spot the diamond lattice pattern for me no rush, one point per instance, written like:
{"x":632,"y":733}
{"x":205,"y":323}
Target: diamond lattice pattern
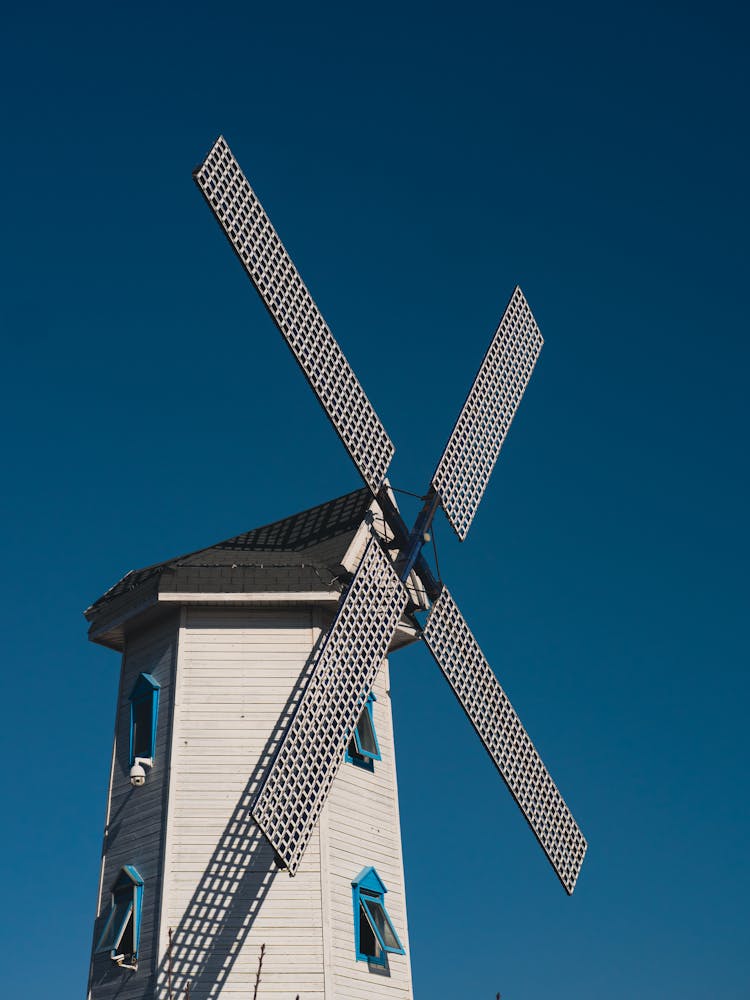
{"x":293,"y":794}
{"x":249,"y":230}
{"x":459,"y":657}
{"x":468,"y":460}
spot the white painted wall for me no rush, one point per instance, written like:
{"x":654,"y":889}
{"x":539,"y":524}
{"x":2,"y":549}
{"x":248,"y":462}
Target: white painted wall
{"x":360,"y":827}
{"x":223,"y":896}
{"x":236,"y":670}
{"x":134,"y":826}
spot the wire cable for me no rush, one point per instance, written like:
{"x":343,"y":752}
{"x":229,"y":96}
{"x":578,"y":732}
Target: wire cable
{"x":408,"y":493}
{"x":434,"y":552}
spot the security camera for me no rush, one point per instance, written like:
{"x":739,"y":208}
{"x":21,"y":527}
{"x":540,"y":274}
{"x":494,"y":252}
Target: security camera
{"x":137,"y":775}
{"x":138,"y":771}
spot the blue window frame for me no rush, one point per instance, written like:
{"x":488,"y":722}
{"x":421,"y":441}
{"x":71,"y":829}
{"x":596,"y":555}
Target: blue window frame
{"x":374,"y":934}
{"x":144,"y":710}
{"x":363,"y":748}
{"x":122,"y":931}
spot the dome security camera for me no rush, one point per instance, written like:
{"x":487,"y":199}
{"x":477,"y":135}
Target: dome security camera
{"x":137,"y":775}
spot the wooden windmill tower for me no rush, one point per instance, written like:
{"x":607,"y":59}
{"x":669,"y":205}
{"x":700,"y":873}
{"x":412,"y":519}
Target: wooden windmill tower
{"x":252,"y":840}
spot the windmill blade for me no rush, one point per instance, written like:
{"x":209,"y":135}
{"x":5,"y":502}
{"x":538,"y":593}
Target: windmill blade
{"x":262,"y":254}
{"x":490,"y":712}
{"x":466,"y":464}
{"x":294,"y":792}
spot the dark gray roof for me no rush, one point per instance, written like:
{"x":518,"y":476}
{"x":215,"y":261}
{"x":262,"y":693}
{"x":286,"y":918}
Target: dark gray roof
{"x":301,"y":552}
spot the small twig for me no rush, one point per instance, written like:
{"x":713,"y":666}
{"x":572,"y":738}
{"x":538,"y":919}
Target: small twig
{"x":257,"y":975}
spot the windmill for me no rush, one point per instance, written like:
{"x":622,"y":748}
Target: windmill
{"x":253,"y":731}
{"x":296,"y":786}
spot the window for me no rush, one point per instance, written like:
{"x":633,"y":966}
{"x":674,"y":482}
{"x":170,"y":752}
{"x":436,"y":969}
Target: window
{"x":363,"y":747}
{"x":144,"y":708}
{"x":374,"y":933}
{"x":122,"y":930}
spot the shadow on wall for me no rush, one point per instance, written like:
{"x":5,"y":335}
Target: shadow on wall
{"x":231,"y":891}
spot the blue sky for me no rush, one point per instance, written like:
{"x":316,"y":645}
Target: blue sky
{"x":418,"y":161}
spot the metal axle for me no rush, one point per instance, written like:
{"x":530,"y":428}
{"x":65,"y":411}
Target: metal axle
{"x":411,"y":542}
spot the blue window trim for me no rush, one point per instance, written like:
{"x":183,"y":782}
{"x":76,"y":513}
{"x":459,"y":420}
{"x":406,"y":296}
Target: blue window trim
{"x":126,"y":895}
{"x":369,"y":886}
{"x":146,"y":687}
{"x":360,"y":756}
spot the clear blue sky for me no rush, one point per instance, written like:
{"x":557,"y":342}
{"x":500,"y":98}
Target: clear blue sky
{"x":417,"y":160}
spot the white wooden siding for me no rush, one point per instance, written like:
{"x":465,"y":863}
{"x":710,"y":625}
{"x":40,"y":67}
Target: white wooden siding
{"x":224,"y":897}
{"x":135,"y":826}
{"x":227,"y":675}
{"x":361,"y":828}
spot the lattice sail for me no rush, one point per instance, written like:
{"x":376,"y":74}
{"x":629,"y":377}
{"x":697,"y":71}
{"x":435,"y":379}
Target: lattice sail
{"x":262,"y":254}
{"x":468,"y":460}
{"x":469,"y":674}
{"x":293,"y":794}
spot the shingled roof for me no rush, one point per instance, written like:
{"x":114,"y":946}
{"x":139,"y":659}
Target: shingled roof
{"x":301,"y":553}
